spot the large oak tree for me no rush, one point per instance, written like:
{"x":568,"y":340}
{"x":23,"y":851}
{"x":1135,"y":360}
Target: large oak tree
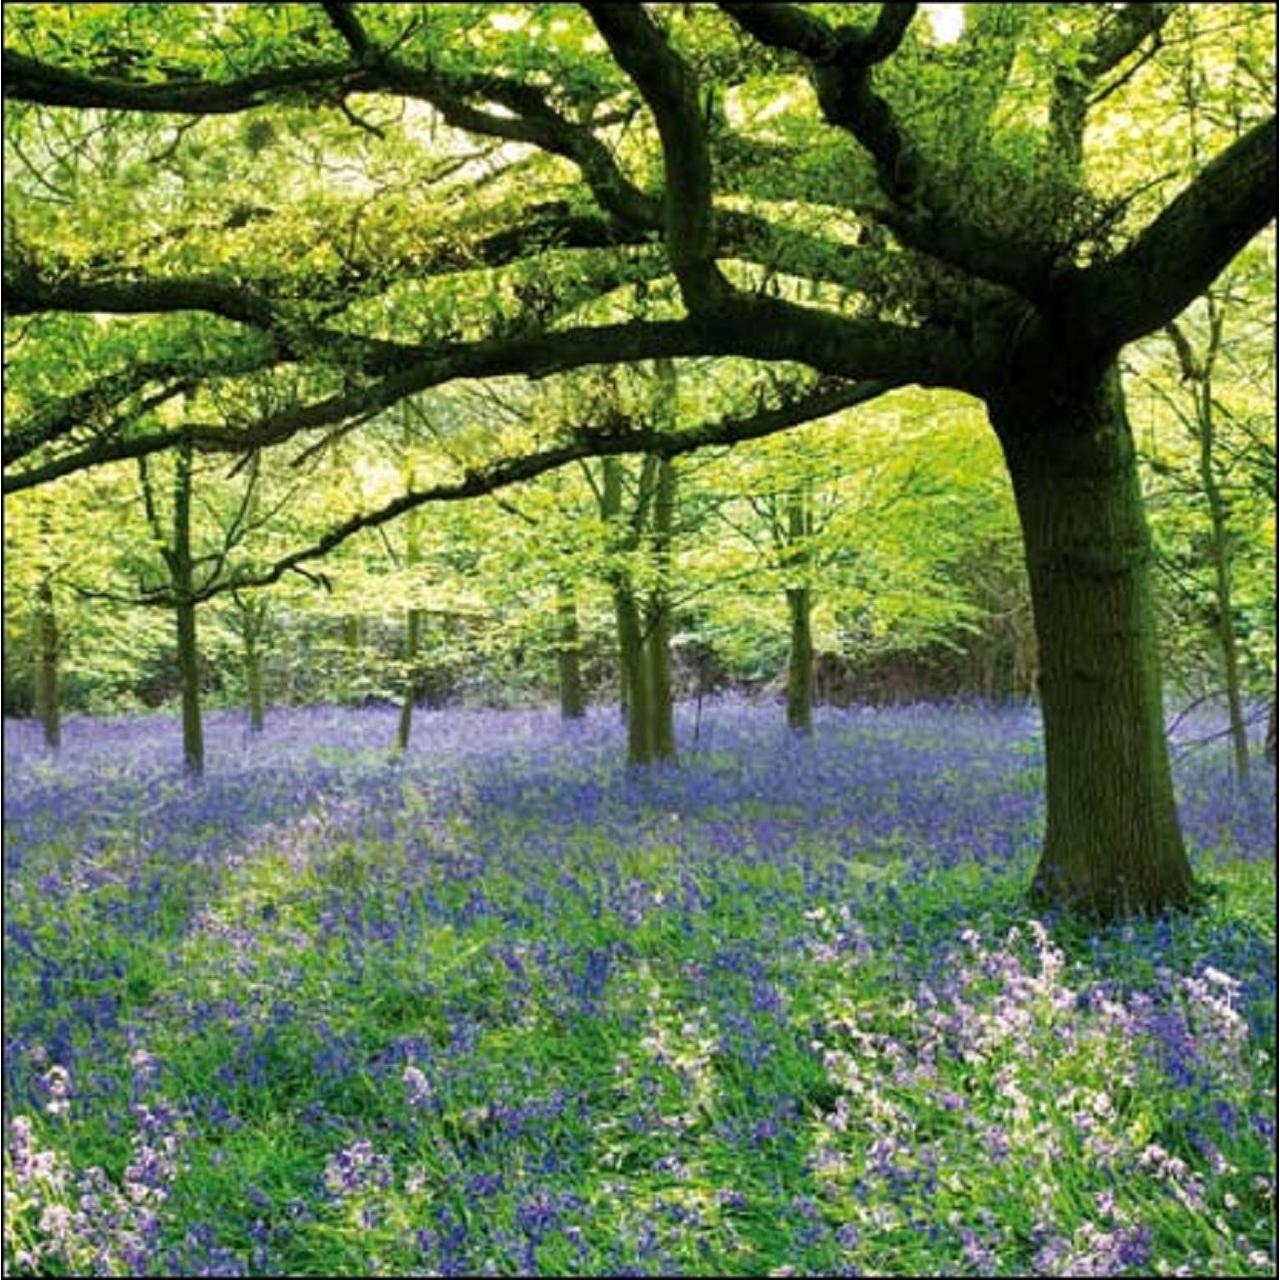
{"x":825,"y":185}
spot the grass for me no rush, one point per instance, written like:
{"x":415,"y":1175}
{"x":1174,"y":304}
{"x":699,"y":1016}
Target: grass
{"x":502,"y":1008}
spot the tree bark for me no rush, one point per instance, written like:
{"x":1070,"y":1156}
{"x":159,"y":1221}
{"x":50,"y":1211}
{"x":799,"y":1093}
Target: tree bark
{"x":412,"y":639}
{"x":636,"y":673}
{"x":182,"y":571}
{"x":46,"y":681}
{"x":800,"y":662}
{"x":573,"y":698}
{"x":798,"y":552}
{"x":254,"y":688}
{"x":252,"y":618}
{"x":1112,"y":843}
{"x":1221,"y":552}
{"x":657,"y":638}
{"x":351,"y":660}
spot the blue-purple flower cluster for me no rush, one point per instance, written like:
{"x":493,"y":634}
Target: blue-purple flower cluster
{"x":500,"y":1005}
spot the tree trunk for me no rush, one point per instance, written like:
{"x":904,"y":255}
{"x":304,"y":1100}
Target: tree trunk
{"x":1220,"y":551}
{"x":46,"y":681}
{"x":351,"y":657}
{"x":573,"y":698}
{"x":413,"y":635}
{"x":657,"y":638}
{"x":1273,"y":734}
{"x":184,"y":589}
{"x":636,"y":672}
{"x":1112,"y":842}
{"x":254,"y":687}
{"x":800,"y":662}
{"x":252,"y":618}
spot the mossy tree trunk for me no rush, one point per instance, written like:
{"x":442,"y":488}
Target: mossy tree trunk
{"x":46,"y":664}
{"x":573,"y":697}
{"x":415,"y":619}
{"x":1112,"y":843}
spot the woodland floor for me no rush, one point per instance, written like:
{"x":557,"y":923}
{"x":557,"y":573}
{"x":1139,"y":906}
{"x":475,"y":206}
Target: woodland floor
{"x":500,"y":1006}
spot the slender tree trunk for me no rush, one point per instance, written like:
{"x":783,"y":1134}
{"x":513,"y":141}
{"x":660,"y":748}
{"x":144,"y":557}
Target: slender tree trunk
{"x":573,"y":698}
{"x":1273,"y":734}
{"x":252,"y":618}
{"x":636,"y":673}
{"x":351,"y":659}
{"x":797,"y":556}
{"x":254,"y":686}
{"x":800,"y":662}
{"x":657,"y":638}
{"x":1220,"y":551}
{"x":412,"y":641}
{"x":47,"y":705}
{"x":184,"y":589}
{"x":1112,"y":843}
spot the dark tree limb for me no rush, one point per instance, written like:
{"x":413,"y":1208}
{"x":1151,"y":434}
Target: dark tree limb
{"x":1175,"y":259}
{"x":922,"y":215}
{"x":58,"y":419}
{"x":349,"y":27}
{"x":670,"y":89}
{"x":1120,"y":34}
{"x":821,"y":402}
{"x":534,"y":120}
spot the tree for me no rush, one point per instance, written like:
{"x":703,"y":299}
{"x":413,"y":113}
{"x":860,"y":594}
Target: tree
{"x":970,"y":249}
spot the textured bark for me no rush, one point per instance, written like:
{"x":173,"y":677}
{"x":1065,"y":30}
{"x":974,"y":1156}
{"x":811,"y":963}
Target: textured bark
{"x":46,"y":681}
{"x":1112,"y":843}
{"x":800,"y":662}
{"x":573,"y":697}
{"x":189,"y":672}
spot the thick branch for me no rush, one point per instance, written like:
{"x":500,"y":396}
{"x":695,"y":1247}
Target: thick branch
{"x":670,"y":89}
{"x":535,"y":356}
{"x":923,"y":216}
{"x":1119,"y":35}
{"x":348,"y":26}
{"x":1180,"y":254}
{"x":60,"y":417}
{"x":534,"y":121}
{"x":29,"y":80}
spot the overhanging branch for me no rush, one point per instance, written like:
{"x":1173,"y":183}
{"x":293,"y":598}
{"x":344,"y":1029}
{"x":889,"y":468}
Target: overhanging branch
{"x":825,"y":400}
{"x":1175,"y":259}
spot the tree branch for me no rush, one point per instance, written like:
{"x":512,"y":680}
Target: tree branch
{"x":923,"y":215}
{"x":670,"y":89}
{"x":1119,"y":35}
{"x":1179,"y":255}
{"x":822,"y":402}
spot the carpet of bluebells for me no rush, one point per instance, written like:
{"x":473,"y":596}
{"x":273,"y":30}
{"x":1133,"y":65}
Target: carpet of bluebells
{"x":501,"y":1007}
